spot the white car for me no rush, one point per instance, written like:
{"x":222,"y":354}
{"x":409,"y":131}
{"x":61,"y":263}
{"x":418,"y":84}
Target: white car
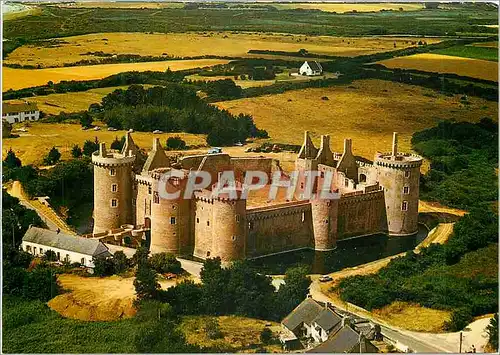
{"x":238,"y":144}
{"x":97,"y":128}
{"x":112,"y":129}
{"x":325,"y":278}
{"x":157,"y":131}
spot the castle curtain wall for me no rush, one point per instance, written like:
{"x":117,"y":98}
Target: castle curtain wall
{"x":277,"y":229}
{"x":361,"y":214}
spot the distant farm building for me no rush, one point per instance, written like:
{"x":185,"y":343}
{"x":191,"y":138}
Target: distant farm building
{"x":15,"y":113}
{"x":311,"y":68}
{"x":68,"y":248}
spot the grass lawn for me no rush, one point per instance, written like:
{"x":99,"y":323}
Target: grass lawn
{"x":475,"y":52}
{"x":368,"y":111}
{"x":31,"y":327}
{"x":475,"y":68}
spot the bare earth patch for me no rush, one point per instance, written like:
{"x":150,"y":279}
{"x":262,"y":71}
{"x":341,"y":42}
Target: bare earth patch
{"x":97,"y":299}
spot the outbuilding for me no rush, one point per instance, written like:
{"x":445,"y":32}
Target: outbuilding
{"x":68,"y":248}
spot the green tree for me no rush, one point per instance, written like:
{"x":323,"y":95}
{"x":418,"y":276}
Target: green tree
{"x":492,"y":330}
{"x":120,"y":262}
{"x":118,"y":143}
{"x":145,"y":283}
{"x":103,"y":266}
{"x":52,"y":157}
{"x":90,"y":147}
{"x":175,"y":143}
{"x":293,"y":291}
{"x":165,"y":262}
{"x":86,"y":119}
{"x":11,"y":161}
{"x":50,"y":255}
{"x":76,"y":151}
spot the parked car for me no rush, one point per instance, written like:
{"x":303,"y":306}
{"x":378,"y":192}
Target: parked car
{"x":325,"y":278}
{"x":97,"y":128}
{"x":112,"y":129}
{"x":157,"y":131}
{"x":238,"y":144}
{"x":215,"y":150}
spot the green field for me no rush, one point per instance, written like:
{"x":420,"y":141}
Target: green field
{"x":62,"y":22}
{"x":31,"y":327}
{"x":485,"y":53}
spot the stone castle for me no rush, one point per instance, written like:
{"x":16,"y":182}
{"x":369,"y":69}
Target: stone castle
{"x":375,"y":197}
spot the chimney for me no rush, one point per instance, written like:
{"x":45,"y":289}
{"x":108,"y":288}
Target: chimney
{"x":325,"y":142}
{"x":394,"y":145}
{"x":102,"y":149}
{"x":347,"y":146}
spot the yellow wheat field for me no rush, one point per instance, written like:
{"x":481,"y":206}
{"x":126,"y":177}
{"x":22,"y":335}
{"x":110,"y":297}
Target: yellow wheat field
{"x":23,"y":78}
{"x":475,"y":68}
{"x":341,"y":8}
{"x":69,"y":102}
{"x":76,"y":48}
{"x":368,"y":111}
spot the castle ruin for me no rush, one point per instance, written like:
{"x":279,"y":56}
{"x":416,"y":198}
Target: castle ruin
{"x":374,"y":197}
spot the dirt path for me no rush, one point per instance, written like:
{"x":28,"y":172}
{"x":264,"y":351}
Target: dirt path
{"x":97,"y":299}
{"x":47,"y":214}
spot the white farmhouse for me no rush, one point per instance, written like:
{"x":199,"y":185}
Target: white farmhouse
{"x":14,"y":113}
{"x":311,"y":68}
{"x":69,"y":248}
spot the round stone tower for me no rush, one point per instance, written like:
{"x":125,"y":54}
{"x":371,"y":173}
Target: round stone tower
{"x":170,"y":218}
{"x":399,"y":175}
{"x":324,"y":219}
{"x":229,"y":232}
{"x":113,"y":181}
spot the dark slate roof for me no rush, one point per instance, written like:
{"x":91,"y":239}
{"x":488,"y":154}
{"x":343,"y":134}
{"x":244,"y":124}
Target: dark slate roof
{"x":327,"y":319}
{"x":305,"y":312}
{"x":16,"y":108}
{"x":67,"y":242}
{"x":341,"y":342}
{"x":315,"y":66}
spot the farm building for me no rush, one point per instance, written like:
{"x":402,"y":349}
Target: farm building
{"x":311,"y":68}
{"x":69,"y":248}
{"x":14,"y":113}
{"x":319,"y":327}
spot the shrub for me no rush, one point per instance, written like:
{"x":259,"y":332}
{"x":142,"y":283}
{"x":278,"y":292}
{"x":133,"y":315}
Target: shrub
{"x":460,"y":318}
{"x":103,"y":266}
{"x":50,"y":255}
{"x":176,"y":143}
{"x":164,"y":263}
{"x":266,"y":335}
{"x":212,"y":329}
{"x":76,"y":151}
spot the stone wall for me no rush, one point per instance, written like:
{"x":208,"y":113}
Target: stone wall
{"x":361,"y":214}
{"x":280,"y":228}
